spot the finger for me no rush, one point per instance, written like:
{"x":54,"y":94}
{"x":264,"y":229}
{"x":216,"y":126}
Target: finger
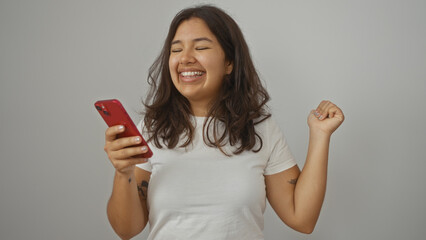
{"x":322,"y":109}
{"x":332,"y":112}
{"x":111,"y":132}
{"x":124,"y":142}
{"x":322,"y":104}
{"x":338,"y":113}
{"x":335,"y":112}
{"x":127,"y":153}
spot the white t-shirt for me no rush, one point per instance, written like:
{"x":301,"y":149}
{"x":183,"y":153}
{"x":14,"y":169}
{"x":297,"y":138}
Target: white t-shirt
{"x":199,"y":193}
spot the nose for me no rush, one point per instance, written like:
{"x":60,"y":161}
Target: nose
{"x":187,"y":57}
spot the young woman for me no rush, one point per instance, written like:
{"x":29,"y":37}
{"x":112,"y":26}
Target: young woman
{"x":218,"y":153}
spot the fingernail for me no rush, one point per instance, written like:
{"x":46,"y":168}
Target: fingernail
{"x":144,"y":148}
{"x":316,"y":114}
{"x":321,"y":117}
{"x":137,"y":139}
{"x":120,"y":127}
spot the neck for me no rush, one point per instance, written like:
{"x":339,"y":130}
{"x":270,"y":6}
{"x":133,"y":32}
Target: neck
{"x":199,"y":109}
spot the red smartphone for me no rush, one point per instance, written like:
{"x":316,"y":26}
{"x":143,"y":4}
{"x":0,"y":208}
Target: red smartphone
{"x":114,"y":114}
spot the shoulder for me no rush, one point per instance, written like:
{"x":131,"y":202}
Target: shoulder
{"x":271,"y":132}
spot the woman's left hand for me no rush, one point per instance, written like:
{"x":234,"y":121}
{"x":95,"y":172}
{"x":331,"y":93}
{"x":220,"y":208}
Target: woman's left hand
{"x":326,"y":118}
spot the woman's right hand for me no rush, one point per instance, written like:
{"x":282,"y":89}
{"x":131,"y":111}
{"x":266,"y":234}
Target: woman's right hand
{"x":120,"y":152}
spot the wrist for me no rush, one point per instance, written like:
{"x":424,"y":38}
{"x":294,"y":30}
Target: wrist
{"x":319,"y":134}
{"x":127,"y":173}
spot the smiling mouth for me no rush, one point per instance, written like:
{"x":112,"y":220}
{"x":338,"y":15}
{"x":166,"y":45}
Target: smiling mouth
{"x":191,"y":76}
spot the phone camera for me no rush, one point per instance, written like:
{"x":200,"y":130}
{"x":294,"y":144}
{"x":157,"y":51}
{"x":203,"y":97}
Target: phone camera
{"x":106,"y":112}
{"x":99,"y":108}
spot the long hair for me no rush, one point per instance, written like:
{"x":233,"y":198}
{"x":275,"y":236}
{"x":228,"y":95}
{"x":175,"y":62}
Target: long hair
{"x":241,"y":102}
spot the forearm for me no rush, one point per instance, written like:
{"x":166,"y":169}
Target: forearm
{"x":126,"y":214}
{"x":310,"y":188}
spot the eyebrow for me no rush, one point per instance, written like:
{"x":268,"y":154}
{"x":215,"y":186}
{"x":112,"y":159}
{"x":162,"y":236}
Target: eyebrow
{"x":195,"y":40}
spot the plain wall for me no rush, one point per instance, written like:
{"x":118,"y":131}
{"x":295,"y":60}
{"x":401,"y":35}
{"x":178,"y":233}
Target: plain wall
{"x":58,"y":57}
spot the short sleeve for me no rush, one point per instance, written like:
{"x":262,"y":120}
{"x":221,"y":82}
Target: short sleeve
{"x":280,"y":158}
{"x":145,"y":166}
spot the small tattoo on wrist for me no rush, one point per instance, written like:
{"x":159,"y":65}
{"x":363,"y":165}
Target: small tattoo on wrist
{"x":130,"y":179}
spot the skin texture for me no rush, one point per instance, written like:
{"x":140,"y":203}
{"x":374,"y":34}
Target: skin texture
{"x":296,"y":196}
{"x":195,"y":48}
{"x":127,"y":210}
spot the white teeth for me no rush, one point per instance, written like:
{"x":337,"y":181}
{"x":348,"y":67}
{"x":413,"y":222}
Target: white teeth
{"x":191,"y":74}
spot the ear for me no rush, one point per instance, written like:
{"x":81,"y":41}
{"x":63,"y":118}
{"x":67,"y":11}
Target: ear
{"x":228,"y":68}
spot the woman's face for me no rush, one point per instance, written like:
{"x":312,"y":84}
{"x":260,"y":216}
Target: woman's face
{"x":197,"y":63}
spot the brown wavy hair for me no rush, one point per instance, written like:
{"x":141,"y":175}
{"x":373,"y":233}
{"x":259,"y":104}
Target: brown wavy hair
{"x":241,"y":102}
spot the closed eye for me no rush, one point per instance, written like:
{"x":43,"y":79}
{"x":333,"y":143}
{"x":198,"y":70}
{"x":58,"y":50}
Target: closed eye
{"x":176,"y":50}
{"x":202,"y":48}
